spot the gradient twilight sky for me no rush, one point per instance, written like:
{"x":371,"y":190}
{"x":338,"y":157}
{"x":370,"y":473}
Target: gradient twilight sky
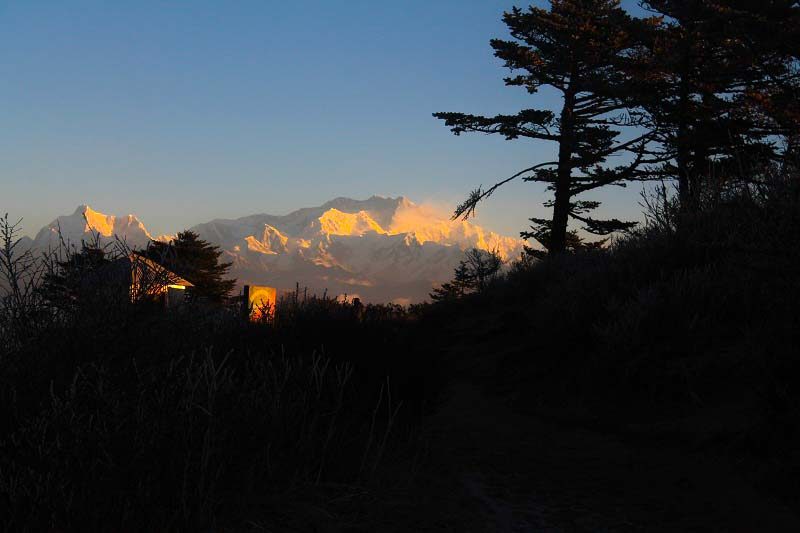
{"x":185,"y":111}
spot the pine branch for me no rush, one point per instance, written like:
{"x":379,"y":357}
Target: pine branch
{"x":531,"y":123}
{"x":466,"y":209}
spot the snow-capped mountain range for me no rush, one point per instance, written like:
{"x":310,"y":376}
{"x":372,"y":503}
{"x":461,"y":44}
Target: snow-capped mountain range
{"x":379,"y":249}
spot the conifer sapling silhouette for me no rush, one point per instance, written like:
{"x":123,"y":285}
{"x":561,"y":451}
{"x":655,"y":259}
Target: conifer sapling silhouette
{"x":473,"y":274}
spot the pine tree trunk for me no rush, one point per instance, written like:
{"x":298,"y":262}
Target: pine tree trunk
{"x":687,"y":131}
{"x":558,"y":229}
{"x":682,"y":161}
{"x":558,"y":232}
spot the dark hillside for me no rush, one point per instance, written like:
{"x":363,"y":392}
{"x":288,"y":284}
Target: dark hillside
{"x":679,"y":343}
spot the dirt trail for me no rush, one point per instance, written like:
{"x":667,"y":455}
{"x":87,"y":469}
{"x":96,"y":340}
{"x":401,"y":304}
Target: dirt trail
{"x":502,"y":471}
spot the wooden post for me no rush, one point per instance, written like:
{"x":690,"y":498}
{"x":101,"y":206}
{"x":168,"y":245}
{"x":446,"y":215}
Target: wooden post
{"x":246,"y":302}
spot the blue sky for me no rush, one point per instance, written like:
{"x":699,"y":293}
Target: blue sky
{"x":184,"y":111}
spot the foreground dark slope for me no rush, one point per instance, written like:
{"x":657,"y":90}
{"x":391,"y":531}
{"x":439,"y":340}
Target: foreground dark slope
{"x":650,"y":387}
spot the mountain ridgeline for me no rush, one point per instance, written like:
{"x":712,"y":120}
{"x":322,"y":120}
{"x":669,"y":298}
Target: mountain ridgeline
{"x":379,"y":249}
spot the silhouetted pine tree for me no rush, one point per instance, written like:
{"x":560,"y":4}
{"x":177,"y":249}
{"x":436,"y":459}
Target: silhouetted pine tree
{"x":722,"y":83}
{"x":473,"y":274}
{"x":197,"y":261}
{"x":456,"y":288}
{"x":580,"y":49}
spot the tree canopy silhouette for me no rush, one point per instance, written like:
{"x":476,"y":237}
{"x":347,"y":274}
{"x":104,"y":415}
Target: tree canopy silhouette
{"x":580,"y":48}
{"x":719,"y":83}
{"x":192,"y":258}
